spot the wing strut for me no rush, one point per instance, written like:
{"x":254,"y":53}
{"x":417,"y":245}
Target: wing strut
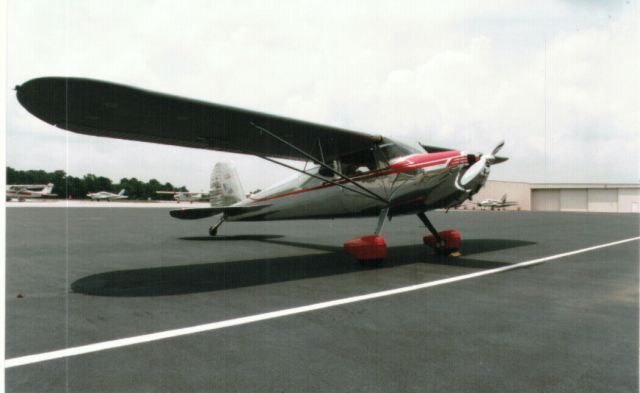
{"x":312,"y":158}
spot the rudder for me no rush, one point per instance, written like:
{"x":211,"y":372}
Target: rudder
{"x":226,"y":189}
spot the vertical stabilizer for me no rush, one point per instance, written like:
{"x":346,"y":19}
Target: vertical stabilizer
{"x":225,"y":185}
{"x":48,"y":189}
{"x":504,"y":198}
{"x":121,"y":193}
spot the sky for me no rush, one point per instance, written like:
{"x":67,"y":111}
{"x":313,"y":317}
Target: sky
{"x":558,"y":81}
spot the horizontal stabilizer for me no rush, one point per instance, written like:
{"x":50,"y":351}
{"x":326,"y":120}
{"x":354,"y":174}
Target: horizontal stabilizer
{"x":195,"y":214}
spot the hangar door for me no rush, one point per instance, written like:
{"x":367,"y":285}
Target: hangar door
{"x":545,"y":200}
{"x":603,"y":200}
{"x":629,"y":200}
{"x":573,"y":200}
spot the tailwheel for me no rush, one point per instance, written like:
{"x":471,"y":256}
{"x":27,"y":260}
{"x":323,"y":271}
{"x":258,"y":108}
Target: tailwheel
{"x":213,"y":231}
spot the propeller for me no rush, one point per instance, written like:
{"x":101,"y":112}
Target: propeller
{"x":485,"y":161}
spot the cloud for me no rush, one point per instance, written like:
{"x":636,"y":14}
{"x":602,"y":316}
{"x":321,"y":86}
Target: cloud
{"x":558,"y":81}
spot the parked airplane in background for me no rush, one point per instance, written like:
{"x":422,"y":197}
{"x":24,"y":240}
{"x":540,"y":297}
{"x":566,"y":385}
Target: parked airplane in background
{"x":348,"y":173}
{"x":21,"y":192}
{"x":496,"y":203}
{"x":224,"y":180}
{"x":184,"y":196}
{"x":107,"y":196}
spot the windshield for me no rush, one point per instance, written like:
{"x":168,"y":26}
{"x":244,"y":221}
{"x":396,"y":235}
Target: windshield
{"x":392,"y":150}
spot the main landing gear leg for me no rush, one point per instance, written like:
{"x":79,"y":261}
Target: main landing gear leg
{"x":444,"y":242}
{"x":369,"y":249}
{"x":213,"y":231}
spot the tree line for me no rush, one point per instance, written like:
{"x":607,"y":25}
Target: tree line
{"x":66,"y":186}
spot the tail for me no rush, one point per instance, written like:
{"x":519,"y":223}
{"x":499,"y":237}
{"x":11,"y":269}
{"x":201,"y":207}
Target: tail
{"x":47,"y":189}
{"x":225,"y":185}
{"x":121,"y":193}
{"x":504,"y":198}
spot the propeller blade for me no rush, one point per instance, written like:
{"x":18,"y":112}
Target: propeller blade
{"x":499,"y":159}
{"x":473,"y":171}
{"x":497,"y":148}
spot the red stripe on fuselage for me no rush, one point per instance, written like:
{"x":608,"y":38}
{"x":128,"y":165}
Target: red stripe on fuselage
{"x":408,"y":164}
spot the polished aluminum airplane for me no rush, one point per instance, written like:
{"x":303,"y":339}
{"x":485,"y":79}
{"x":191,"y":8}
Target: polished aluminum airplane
{"x":349,"y":174}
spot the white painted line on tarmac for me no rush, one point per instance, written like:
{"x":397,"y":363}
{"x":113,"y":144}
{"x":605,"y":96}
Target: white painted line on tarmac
{"x":145,"y":338}
{"x":66,"y":203}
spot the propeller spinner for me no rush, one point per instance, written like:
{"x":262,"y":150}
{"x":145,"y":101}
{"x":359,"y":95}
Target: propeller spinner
{"x":485,"y":161}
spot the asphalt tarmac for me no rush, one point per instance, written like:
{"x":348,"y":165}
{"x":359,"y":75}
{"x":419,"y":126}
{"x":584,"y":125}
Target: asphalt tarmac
{"x":78,"y":276}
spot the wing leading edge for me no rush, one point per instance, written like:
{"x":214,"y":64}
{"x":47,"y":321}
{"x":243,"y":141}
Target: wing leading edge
{"x":107,"y":109}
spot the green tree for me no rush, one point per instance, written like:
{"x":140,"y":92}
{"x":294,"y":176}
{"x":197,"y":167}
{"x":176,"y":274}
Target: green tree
{"x":66,"y":186}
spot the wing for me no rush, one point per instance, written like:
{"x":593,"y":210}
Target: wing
{"x":111,"y":110}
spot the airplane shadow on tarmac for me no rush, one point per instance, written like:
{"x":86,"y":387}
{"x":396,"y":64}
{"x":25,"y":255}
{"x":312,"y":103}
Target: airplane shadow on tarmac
{"x":196,"y":278}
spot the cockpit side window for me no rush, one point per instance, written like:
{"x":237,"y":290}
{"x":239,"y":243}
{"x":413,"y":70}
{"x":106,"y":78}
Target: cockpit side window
{"x":326,"y":172}
{"x":357,"y":163}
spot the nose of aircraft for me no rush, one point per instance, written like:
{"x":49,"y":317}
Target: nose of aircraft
{"x":482,"y":166}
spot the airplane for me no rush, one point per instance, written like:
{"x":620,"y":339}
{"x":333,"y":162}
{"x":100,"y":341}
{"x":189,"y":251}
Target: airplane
{"x":220,"y":186}
{"x":21,"y":192}
{"x":346,"y":173}
{"x":107,"y":196}
{"x":496,"y":203}
{"x":183,"y":196}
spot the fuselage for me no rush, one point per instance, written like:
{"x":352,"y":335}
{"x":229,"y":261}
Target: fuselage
{"x":29,"y":191}
{"x":187,"y":197}
{"x":492,"y":203}
{"x":412,"y":183}
{"x":104,"y":195}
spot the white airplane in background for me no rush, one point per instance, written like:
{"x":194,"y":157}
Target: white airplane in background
{"x":106,"y":196}
{"x":496,"y":203}
{"x":185,"y":196}
{"x":348,"y":173}
{"x":21,"y":192}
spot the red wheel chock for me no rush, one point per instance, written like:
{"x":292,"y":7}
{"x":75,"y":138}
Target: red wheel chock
{"x":451,"y":241}
{"x":367,"y":248}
